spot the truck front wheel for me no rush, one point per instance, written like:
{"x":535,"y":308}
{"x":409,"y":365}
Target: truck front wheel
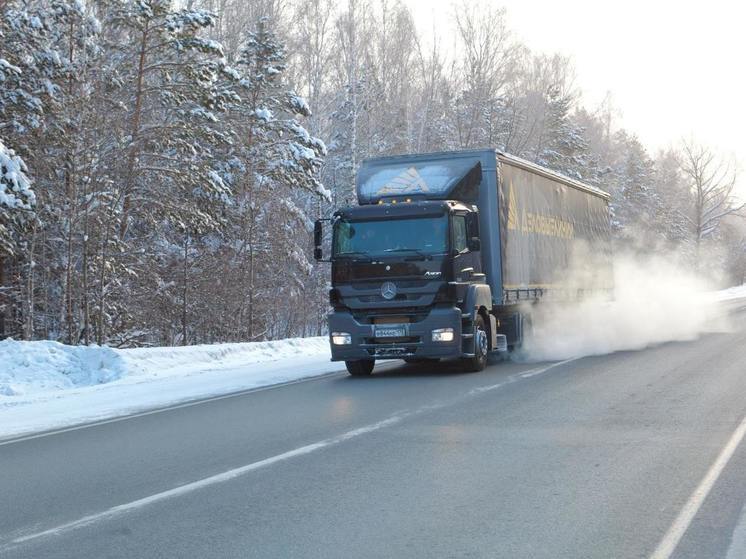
{"x":481,"y":346}
{"x":362,"y":368}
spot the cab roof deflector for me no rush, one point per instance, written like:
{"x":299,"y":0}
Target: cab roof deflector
{"x":431,"y":179}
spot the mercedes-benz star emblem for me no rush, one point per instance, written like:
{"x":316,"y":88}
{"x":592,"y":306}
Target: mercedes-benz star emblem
{"x":388,"y":290}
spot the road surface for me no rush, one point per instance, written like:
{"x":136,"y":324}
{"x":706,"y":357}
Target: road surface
{"x":633,"y":454}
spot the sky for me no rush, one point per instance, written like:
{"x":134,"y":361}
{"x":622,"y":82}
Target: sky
{"x":674,"y":69}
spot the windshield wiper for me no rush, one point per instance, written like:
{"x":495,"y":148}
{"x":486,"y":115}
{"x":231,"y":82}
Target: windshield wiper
{"x":355,"y":254}
{"x":424,"y":255}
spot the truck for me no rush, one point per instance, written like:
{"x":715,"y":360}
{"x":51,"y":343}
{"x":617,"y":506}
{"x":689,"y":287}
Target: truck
{"x":446,"y":254}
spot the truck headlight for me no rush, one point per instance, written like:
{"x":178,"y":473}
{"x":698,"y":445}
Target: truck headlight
{"x":443,"y":335}
{"x":341,"y":338}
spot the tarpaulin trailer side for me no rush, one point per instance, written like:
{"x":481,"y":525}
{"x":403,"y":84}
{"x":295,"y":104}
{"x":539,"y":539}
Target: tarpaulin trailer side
{"x":554,"y":232}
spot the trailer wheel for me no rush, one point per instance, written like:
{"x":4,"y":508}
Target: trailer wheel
{"x":362,"y":368}
{"x":481,"y":346}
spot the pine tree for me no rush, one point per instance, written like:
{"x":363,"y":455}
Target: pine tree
{"x":29,"y":65}
{"x":676,"y":201}
{"x":17,"y":200}
{"x":164,"y":84}
{"x":274,"y":173}
{"x":564,"y":147}
{"x":636,"y":205}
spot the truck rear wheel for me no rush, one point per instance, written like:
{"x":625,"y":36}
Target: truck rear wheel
{"x":481,"y":347}
{"x":362,"y":368}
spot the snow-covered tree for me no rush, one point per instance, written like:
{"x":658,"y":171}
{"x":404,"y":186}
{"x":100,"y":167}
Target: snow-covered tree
{"x":165,"y":78}
{"x":28,"y":64}
{"x":163,"y":85}
{"x":564,"y":147}
{"x":17,"y":200}
{"x":17,"y":204}
{"x":273,"y":167}
{"x":279,"y":147}
{"x":676,"y":201}
{"x":635,"y":202}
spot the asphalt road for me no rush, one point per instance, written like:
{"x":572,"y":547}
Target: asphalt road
{"x":611,"y":456}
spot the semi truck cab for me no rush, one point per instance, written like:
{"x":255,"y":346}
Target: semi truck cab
{"x":401,"y":271}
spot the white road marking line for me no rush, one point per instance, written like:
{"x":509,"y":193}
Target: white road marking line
{"x":236,"y":472}
{"x":679,"y":527}
{"x":519,"y":376}
{"x":205,"y":482}
{"x":534,"y":372}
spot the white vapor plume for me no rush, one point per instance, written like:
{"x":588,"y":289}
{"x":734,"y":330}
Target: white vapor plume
{"x":655,"y":300}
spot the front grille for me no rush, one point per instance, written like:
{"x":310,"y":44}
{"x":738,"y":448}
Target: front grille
{"x":392,"y":319}
{"x":400,"y":284}
{"x":370,"y":317}
{"x":398,"y":297}
{"x":388,"y":341}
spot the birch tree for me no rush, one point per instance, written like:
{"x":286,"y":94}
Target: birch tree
{"x":712,"y":181}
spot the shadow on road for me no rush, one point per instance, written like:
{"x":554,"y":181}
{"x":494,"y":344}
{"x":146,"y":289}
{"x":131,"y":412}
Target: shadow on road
{"x":431,"y":369}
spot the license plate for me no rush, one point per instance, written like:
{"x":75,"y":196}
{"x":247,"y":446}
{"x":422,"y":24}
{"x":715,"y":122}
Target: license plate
{"x":390,"y":332}
{"x":390,"y":351}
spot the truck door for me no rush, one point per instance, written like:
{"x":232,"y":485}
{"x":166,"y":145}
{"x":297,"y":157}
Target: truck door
{"x":463,"y":258}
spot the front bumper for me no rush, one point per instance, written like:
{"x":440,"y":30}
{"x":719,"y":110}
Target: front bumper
{"x":416,"y":344}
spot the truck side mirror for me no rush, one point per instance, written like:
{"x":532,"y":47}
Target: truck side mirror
{"x":318,"y":235}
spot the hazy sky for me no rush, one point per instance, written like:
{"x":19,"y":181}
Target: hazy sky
{"x":674,"y":69}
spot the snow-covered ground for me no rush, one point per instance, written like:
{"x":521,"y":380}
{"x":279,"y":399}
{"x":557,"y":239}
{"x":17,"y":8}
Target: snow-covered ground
{"x":46,"y":385}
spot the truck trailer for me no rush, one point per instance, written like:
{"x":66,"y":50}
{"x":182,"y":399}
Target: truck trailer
{"x":445,"y":254}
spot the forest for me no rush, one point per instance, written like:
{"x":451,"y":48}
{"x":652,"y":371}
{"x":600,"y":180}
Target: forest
{"x":162,"y":162}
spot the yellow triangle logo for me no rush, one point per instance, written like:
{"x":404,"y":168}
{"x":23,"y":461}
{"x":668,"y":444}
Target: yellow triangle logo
{"x":512,"y":211}
{"x":408,"y":182}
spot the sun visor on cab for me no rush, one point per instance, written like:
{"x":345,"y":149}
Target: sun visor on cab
{"x":387,"y":180}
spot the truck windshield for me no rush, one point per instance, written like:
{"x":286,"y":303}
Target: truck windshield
{"x":422,"y":235}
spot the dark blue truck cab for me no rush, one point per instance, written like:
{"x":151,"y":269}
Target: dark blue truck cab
{"x":443,"y":251}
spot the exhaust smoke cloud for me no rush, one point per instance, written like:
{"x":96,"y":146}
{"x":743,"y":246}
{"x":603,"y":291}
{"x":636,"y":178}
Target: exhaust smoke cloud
{"x":655,"y":300}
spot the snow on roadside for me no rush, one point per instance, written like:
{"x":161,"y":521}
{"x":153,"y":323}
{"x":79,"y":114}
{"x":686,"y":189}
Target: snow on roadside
{"x":738,"y":292}
{"x":47,"y":385}
{"x":162,"y":361}
{"x":32,"y":368}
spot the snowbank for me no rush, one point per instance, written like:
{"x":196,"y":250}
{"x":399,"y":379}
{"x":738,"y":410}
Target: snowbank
{"x":46,"y":385}
{"x":33,"y":367}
